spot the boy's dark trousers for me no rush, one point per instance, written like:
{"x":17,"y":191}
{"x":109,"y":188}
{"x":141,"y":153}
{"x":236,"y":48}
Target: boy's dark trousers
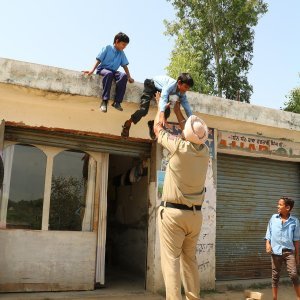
{"x":148,"y":94}
{"x":287,"y":257}
{"x":121,"y":82}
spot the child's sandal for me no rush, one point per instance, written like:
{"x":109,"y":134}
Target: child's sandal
{"x":125,"y":131}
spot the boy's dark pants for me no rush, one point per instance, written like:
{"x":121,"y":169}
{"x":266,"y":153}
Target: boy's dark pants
{"x":148,"y":94}
{"x":121,"y":82}
{"x":288,"y":257}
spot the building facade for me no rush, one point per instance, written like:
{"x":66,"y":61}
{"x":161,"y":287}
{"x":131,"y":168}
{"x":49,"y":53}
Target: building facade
{"x":78,"y":202}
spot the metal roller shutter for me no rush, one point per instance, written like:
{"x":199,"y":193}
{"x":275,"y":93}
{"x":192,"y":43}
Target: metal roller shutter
{"x":78,"y":141}
{"x":247,"y":193}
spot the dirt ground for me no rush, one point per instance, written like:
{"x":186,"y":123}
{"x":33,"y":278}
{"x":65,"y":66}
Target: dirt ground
{"x":285,"y":292}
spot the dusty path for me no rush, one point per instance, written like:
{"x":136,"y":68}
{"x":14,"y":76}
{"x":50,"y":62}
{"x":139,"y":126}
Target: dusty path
{"x":286,"y":292}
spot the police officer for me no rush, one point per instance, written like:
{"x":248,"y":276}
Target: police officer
{"x":180,"y":216}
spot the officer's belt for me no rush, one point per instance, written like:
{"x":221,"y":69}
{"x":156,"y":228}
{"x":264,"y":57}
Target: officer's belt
{"x":180,"y":206}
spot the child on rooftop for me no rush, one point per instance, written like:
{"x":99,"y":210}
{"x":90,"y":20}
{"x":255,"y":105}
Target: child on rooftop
{"x":107,"y":64}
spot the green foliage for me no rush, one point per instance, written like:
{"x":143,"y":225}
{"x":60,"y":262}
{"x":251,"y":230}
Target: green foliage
{"x":293,"y":103}
{"x":25,"y":214}
{"x":214,"y":42}
{"x":65,"y":205}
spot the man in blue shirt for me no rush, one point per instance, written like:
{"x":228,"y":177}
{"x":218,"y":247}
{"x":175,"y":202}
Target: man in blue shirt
{"x":107,"y":64}
{"x":282,"y":241}
{"x":167,"y":86}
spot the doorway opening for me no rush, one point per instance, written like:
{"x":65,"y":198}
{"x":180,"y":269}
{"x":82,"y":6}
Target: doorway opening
{"x":127,"y":223}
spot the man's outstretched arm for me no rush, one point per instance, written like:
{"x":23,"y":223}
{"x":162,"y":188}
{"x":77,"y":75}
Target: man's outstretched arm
{"x":158,"y":125}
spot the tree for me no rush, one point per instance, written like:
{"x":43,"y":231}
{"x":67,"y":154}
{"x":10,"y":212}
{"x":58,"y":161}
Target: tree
{"x":25,"y":214}
{"x":66,"y":204}
{"x":293,"y":103}
{"x":214,"y":42}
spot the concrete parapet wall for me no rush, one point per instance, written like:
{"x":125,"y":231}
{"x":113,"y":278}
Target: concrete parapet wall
{"x":57,"y":79}
{"x":73,"y":82}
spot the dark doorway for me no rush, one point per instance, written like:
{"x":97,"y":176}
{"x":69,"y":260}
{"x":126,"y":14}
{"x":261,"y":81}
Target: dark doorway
{"x":127,"y":223}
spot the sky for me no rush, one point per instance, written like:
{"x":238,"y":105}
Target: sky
{"x":70,"y":33}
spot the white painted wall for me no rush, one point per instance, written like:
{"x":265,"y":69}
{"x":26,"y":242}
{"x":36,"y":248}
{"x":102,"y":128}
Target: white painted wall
{"x":46,"y":260}
{"x":206,"y":245}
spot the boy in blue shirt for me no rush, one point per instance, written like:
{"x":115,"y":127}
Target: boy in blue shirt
{"x":282,"y":242}
{"x":167,"y":86}
{"x":107,"y":64}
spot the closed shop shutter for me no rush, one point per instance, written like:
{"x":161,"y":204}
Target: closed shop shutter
{"x":247,"y":193}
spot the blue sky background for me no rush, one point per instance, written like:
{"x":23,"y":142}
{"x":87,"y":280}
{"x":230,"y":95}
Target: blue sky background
{"x":70,"y":33}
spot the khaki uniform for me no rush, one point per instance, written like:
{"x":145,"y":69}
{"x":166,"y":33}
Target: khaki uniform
{"x":179,"y":229}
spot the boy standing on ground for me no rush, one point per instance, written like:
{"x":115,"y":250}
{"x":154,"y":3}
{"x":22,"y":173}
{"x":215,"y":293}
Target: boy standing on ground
{"x":282,"y":241}
{"x":167,"y":86}
{"x":107,"y":63}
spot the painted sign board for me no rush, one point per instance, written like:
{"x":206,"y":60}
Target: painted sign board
{"x":258,"y":144}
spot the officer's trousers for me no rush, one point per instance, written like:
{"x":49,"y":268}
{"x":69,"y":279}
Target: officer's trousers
{"x":179,"y":231}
